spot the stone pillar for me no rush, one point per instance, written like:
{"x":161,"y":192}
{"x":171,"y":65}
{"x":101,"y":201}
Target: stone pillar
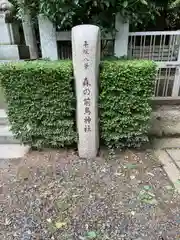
{"x":86,"y":60}
{"x":5,"y":29}
{"x":6,"y":36}
{"x":9,"y":35}
{"x":29,"y":35}
{"x":10,"y":31}
{"x":48,"y":39}
{"x":121,"y":40}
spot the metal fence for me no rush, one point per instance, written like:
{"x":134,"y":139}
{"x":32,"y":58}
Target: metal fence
{"x":65,"y":48}
{"x":164,"y":48}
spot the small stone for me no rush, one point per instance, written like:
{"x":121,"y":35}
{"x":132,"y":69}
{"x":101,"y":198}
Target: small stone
{"x":133,"y":213}
{"x":122,"y":235}
{"x":49,"y":220}
{"x":117,"y":173}
{"x":29,"y":232}
{"x":15,"y":234}
{"x":86,"y":227}
{"x":150,"y":174}
{"x":132,"y":177}
{"x":91,"y":235}
{"x":103,"y":170}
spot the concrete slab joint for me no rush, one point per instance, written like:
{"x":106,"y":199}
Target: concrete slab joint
{"x":171,"y":164}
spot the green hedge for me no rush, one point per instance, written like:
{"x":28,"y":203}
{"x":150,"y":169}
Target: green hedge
{"x":126,"y":88}
{"x":40,"y":102}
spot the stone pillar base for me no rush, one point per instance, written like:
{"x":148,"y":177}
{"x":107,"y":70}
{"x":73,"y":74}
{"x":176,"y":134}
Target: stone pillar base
{"x":14,"y":52}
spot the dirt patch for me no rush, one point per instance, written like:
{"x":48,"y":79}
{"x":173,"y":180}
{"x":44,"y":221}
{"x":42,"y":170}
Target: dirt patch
{"x":56,"y":195}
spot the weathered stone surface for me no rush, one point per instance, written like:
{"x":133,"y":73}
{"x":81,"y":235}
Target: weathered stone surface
{"x":169,"y":167}
{"x":86,"y":60}
{"x":165,"y":121}
{"x":174,"y":153}
{"x":8,"y":52}
{"x":10,"y":38}
{"x":162,"y":143}
{"x":13,"y":52}
{"x":122,"y":35}
{"x":29,"y":35}
{"x":48,"y":38}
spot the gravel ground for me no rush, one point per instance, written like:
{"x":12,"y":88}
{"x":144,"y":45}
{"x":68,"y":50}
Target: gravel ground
{"x":56,"y":195}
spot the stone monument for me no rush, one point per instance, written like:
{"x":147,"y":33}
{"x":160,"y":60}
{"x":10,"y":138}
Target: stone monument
{"x":10,"y":48}
{"x":86,"y":60}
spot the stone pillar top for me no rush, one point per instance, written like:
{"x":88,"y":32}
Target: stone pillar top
{"x":6,"y":8}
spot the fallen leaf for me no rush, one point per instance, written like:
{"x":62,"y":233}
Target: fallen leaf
{"x":91,"y":235}
{"x":151,"y":194}
{"x":150,"y":201}
{"x":147,"y":197}
{"x":60,"y":224}
{"x":130,"y":166}
{"x":142,"y":192}
{"x":147,"y":187}
{"x":178,"y":181}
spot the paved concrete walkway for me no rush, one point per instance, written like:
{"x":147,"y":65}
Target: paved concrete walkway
{"x":9,"y":146}
{"x":170,"y":159}
{"x":9,"y":151}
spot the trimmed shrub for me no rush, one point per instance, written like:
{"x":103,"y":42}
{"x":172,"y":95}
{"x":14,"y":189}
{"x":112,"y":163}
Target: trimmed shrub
{"x":40,"y":102}
{"x":126,"y":88}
